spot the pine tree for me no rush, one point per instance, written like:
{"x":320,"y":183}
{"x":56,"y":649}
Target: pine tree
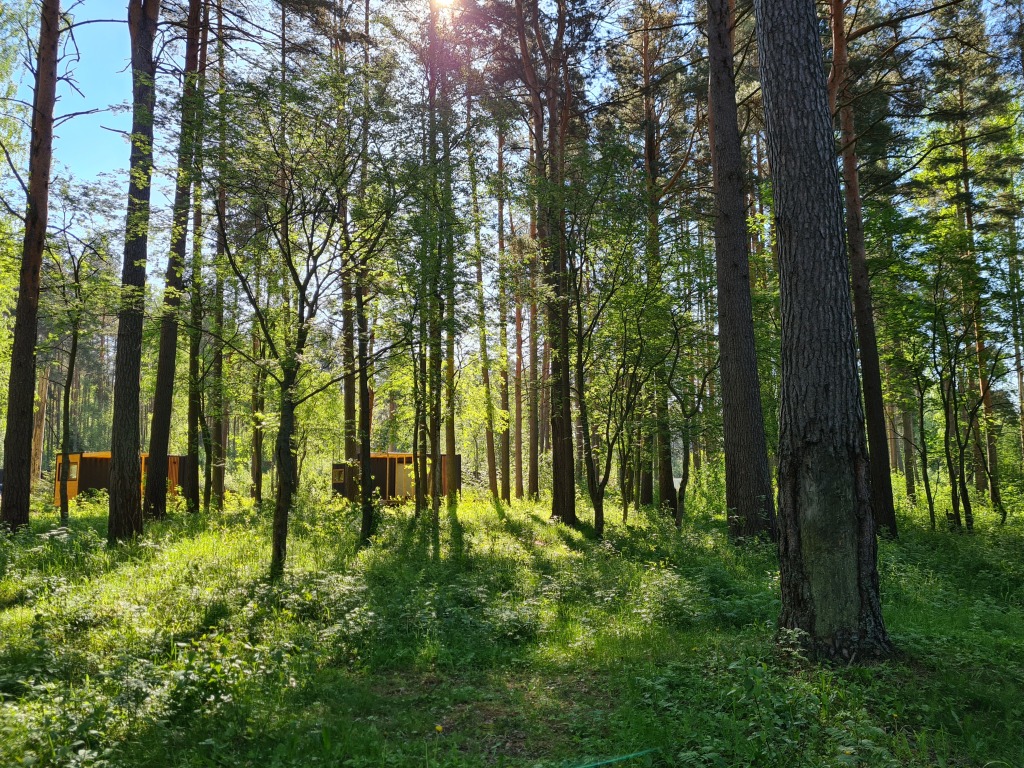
{"x":827,"y":546}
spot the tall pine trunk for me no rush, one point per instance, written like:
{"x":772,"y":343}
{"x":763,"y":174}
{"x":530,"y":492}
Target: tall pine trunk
{"x":518,"y":424}
{"x":481,"y":312}
{"x":14,"y":507}
{"x":125,"y":518}
{"x":748,"y":480}
{"x":504,"y":441}
{"x":533,"y":410}
{"x":65,"y":439}
{"x":217,"y":401}
{"x":190,"y":475}
{"x":882,"y":504}
{"x":827,"y":546}
{"x":174,"y":279}
{"x":368,"y":521}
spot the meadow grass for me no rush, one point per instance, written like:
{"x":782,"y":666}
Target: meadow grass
{"x":504,"y":639}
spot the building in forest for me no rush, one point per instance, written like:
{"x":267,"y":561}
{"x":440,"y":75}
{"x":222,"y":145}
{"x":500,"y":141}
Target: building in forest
{"x":90,"y":471}
{"x":393,"y":476}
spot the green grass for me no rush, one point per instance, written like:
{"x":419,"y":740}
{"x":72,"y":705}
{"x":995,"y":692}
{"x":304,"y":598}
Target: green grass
{"x":507,"y":641}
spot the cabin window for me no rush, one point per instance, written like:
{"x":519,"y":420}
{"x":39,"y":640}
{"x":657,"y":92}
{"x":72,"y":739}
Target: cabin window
{"x":339,"y":475}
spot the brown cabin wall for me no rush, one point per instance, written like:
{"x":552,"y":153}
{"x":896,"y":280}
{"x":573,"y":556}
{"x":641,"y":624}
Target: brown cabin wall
{"x":385,"y":470}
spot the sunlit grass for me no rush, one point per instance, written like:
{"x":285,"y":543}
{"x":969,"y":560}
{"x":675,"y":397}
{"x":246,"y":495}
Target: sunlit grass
{"x":525,"y":641}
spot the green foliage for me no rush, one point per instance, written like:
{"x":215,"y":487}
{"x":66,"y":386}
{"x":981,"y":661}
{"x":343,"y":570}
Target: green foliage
{"x":507,"y":640}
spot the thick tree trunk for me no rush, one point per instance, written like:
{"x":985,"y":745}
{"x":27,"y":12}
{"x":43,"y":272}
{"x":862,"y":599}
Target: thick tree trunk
{"x":163,"y":401}
{"x":125,"y":518}
{"x":827,"y":546}
{"x":14,"y":507}
{"x":748,"y":480}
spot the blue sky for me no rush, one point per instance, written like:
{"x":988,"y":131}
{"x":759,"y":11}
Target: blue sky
{"x":90,"y":145}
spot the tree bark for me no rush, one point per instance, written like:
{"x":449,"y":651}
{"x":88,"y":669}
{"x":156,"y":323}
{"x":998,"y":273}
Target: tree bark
{"x":923,"y":451}
{"x":39,"y":423}
{"x":481,"y":311}
{"x":882,"y":504}
{"x":653,"y":191}
{"x":190,"y":477}
{"x":748,"y":480}
{"x":287,"y":472}
{"x":163,"y":401}
{"x":14,"y":507}
{"x":827,"y":546}
{"x":368,"y":522}
{"x":258,"y":404}
{"x":504,"y":441}
{"x":908,"y":452}
{"x":217,"y":401}
{"x":533,"y":459}
{"x":125,"y":517}
{"x":991,"y":470}
{"x":65,"y":440}
{"x":348,"y":344}
{"x":1016,"y":325}
{"x":190,"y":482}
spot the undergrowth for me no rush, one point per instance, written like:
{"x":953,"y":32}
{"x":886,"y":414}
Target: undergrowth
{"x":503,"y":639}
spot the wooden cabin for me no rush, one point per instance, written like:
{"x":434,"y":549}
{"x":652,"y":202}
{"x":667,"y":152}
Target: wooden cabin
{"x":90,"y":471}
{"x":392,"y":476}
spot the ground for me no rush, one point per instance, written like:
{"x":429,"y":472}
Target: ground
{"x":506,"y":640}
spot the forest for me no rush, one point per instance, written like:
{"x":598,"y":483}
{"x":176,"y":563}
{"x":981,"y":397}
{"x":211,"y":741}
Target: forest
{"x":512,"y":382}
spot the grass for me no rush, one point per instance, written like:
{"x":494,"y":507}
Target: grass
{"x":507,"y":641}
